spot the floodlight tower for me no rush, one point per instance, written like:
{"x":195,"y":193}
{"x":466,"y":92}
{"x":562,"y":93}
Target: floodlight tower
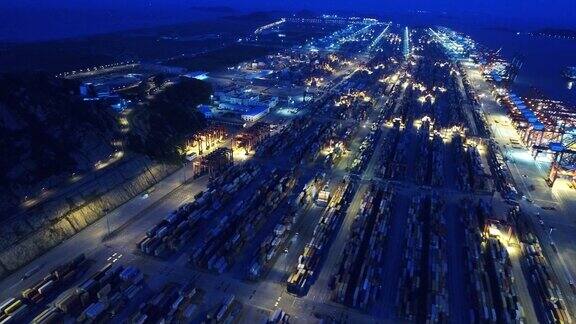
{"x":406,"y":47}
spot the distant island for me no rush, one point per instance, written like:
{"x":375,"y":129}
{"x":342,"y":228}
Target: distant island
{"x":555,"y":32}
{"x":542,"y":32}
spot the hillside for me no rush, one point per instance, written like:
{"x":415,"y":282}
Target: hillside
{"x":167,"y":119}
{"x":48,"y":134}
{"x":46,"y":130}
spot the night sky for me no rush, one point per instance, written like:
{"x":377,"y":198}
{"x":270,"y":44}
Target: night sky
{"x":538,"y":9}
{"x":30,"y":19}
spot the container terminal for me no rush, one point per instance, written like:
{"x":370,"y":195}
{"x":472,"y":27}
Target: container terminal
{"x":379,"y":173}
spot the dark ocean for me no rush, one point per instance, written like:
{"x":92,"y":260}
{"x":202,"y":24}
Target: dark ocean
{"x":544,"y":60}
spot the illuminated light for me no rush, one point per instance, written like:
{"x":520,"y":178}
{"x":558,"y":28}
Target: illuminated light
{"x":426,"y":119}
{"x":423,"y":99}
{"x":494,"y":231}
{"x":512,"y":250}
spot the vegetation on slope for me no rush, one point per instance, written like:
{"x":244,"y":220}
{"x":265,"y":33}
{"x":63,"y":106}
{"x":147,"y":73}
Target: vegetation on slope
{"x":42,"y":123}
{"x":169,"y":118}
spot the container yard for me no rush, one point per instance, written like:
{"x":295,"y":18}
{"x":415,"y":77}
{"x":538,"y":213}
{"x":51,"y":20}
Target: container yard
{"x":223,"y":242}
{"x":179,"y":227}
{"x":104,"y":295}
{"x":19,"y":308}
{"x":423,"y":284}
{"x":372,"y":189}
{"x":174,"y":303}
{"x":248,"y":139}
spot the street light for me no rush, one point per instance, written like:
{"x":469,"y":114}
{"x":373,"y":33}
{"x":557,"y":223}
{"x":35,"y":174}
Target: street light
{"x":285,"y":261}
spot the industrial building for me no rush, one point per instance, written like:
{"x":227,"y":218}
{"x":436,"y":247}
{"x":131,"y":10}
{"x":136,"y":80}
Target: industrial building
{"x":250,"y":106}
{"x":548,"y":129}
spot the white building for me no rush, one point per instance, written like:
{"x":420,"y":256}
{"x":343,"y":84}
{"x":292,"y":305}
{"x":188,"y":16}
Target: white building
{"x":255,"y":113}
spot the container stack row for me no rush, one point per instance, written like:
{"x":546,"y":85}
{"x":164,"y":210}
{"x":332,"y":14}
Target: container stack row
{"x":465,"y":178}
{"x":178,"y":228}
{"x":217,"y":250}
{"x":483,"y":309}
{"x":359,"y":276}
{"x":410,"y":283}
{"x":393,"y":154}
{"x":365,"y":152}
{"x":173,"y":304}
{"x":544,"y":281}
{"x":437,"y":265}
{"x":272,"y":245}
{"x":424,"y":163}
{"x":437,"y":160}
{"x":309,"y":261}
{"x":104,"y":295}
{"x":504,"y":293}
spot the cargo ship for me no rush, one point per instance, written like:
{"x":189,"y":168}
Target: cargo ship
{"x":570,"y":73}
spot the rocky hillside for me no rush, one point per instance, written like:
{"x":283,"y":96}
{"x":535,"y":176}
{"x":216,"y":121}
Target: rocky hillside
{"x":47,"y":132}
